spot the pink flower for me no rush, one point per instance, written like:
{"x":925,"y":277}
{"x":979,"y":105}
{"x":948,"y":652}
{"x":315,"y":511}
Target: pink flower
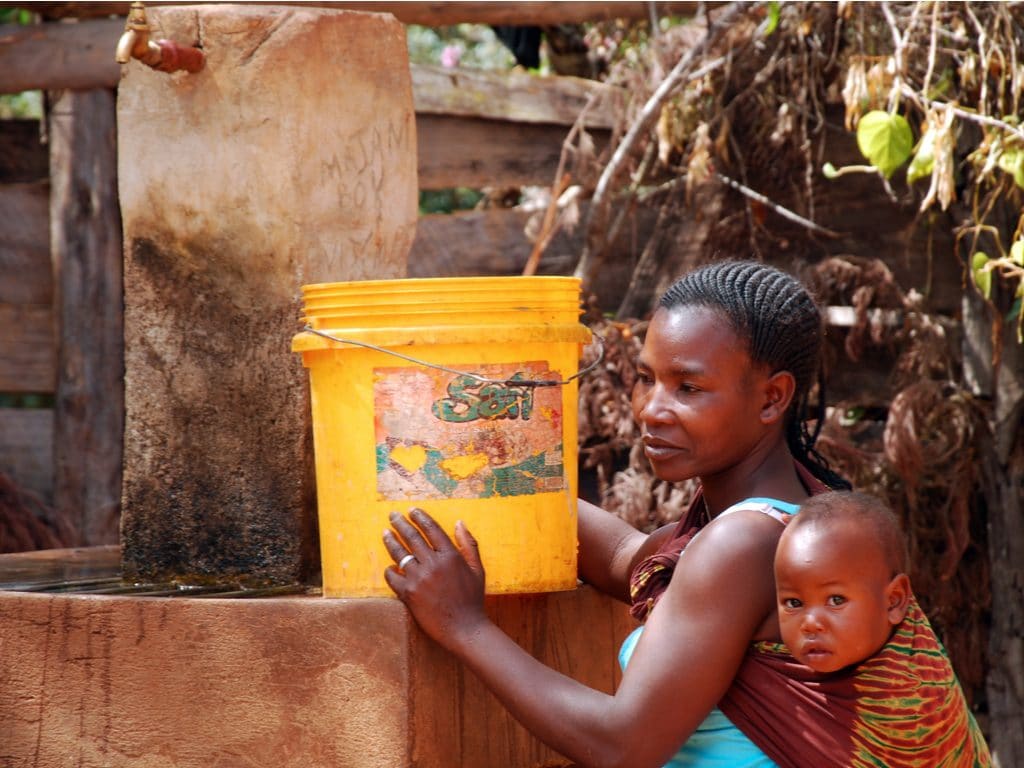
{"x":450,"y":56}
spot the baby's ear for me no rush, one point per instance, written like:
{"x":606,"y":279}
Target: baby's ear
{"x":897,"y":598}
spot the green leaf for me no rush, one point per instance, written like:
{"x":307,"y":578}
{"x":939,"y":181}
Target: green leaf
{"x":982,"y":277}
{"x":1017,"y":254}
{"x":1012,"y":161}
{"x":1017,"y":312}
{"x":773,"y":18}
{"x":1014,"y":312}
{"x":885,"y":140}
{"x":924,"y":159}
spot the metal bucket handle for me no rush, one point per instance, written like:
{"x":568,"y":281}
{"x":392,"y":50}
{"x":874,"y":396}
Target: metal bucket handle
{"x":474,"y":376}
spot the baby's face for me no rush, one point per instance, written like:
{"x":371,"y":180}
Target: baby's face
{"x":832,"y":584}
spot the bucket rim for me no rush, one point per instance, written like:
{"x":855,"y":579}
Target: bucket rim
{"x":411,"y":283}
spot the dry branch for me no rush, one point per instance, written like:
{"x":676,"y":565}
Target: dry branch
{"x":688,"y":68}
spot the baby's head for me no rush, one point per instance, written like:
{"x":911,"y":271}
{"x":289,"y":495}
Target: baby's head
{"x":840,"y":578}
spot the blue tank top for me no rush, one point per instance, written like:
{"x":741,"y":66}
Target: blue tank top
{"x":717,"y":743}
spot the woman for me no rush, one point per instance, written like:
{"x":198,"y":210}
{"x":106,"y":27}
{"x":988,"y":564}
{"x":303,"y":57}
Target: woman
{"x":724,"y":379}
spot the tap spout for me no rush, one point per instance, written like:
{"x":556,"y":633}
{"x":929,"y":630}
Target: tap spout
{"x":125,"y":45}
{"x":164,"y":55}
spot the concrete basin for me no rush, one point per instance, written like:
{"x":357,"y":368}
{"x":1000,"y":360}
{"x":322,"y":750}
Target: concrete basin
{"x":148,"y":682}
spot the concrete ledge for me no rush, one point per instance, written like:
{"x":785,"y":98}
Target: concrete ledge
{"x":278,"y":682}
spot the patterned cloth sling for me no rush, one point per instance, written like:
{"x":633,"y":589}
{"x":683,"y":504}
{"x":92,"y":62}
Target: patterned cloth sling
{"x":902,"y":708}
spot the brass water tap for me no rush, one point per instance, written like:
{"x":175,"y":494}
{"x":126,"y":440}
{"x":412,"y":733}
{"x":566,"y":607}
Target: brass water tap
{"x":135,"y":41}
{"x":164,"y":55}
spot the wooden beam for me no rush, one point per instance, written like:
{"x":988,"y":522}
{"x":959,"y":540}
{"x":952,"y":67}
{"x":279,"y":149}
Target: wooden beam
{"x":486,"y":242}
{"x":26,"y":449}
{"x":85,"y":225}
{"x":81,"y":57}
{"x":467,"y":152}
{"x":494,"y":242}
{"x":514,"y":96}
{"x":433,"y":14}
{"x":27,"y":349}
{"x":25,"y":244}
{"x":59,"y":56}
{"x":23,"y":156}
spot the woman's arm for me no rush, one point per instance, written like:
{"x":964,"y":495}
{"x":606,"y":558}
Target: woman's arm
{"x":689,"y":652}
{"x":607,"y":548}
{"x":610,"y":548}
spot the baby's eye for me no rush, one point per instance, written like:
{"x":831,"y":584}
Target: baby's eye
{"x":791,"y":603}
{"x":836,"y":600}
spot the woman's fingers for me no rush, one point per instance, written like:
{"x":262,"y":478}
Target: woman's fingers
{"x":434,"y":533}
{"x":411,"y":538}
{"x":395,"y":580}
{"x":418,"y":535}
{"x":468,"y":547}
{"x":395,"y":548}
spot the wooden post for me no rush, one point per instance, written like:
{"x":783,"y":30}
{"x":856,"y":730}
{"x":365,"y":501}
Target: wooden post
{"x":1002,"y":462}
{"x":85,"y":235}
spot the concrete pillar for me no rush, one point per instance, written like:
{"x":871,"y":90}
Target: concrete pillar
{"x":289,"y":159}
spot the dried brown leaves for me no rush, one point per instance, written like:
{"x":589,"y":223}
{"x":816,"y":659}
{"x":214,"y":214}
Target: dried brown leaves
{"x":27,"y":523}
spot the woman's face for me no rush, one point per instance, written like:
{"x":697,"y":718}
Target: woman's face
{"x":698,"y":397}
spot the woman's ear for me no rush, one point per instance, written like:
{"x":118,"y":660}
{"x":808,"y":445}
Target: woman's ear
{"x":778,"y":394}
{"x":897,"y":598}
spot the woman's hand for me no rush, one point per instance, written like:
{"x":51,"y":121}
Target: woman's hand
{"x":442,"y":586}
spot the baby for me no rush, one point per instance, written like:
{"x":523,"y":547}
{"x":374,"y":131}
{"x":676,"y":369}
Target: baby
{"x":846,"y":610}
{"x":840,"y":575}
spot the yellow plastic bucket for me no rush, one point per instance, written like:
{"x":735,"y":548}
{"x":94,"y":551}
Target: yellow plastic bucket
{"x":423,"y":395}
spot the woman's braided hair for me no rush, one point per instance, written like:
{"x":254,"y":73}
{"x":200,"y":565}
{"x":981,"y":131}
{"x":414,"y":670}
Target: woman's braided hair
{"x":778,"y":318}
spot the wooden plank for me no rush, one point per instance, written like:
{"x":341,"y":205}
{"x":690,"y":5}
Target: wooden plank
{"x":515,"y":96}
{"x":437,"y":13}
{"x":86,"y":242}
{"x":478,"y":243}
{"x":27,"y":348}
{"x":59,"y":56}
{"x":26,"y":449}
{"x":494,"y":242}
{"x":25,"y":244}
{"x":469,"y":152}
{"x":23,"y":157}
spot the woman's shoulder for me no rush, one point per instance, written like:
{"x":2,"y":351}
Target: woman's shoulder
{"x":726,"y":570}
{"x":746,"y":529}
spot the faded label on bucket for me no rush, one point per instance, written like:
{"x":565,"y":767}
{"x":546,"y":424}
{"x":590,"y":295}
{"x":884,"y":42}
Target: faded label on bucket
{"x":441,"y":435}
